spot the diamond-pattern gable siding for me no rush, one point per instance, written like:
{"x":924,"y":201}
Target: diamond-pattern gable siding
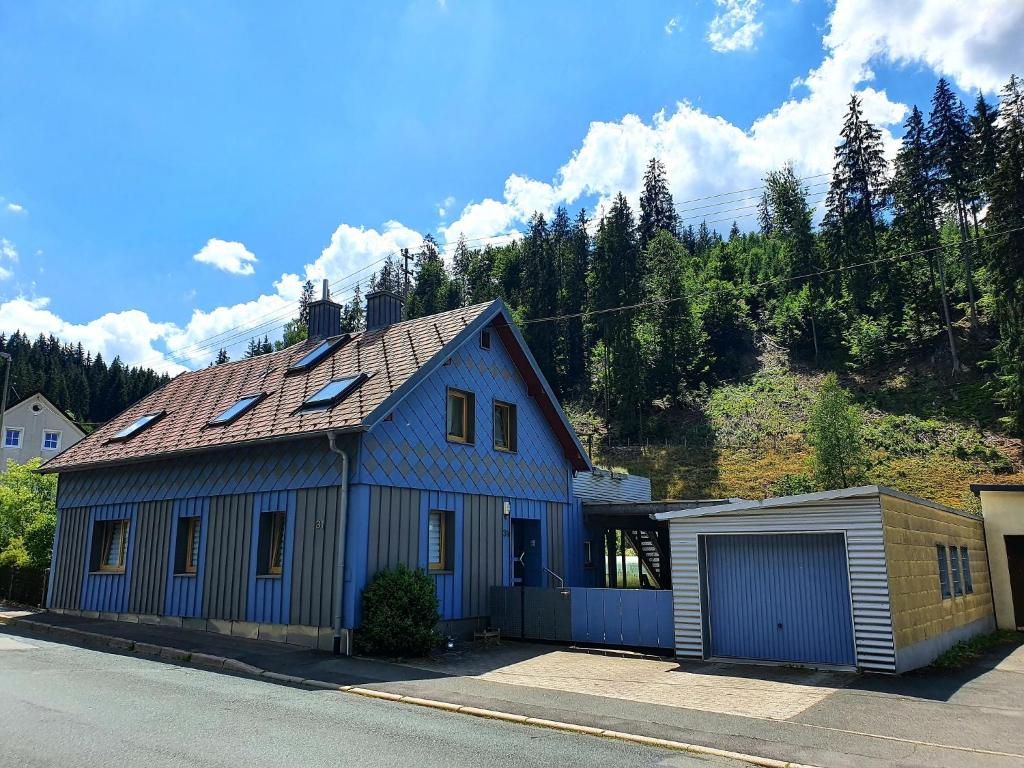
{"x":411,"y":449}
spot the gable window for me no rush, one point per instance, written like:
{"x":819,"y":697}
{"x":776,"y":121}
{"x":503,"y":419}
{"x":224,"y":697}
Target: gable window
{"x":236,"y":410}
{"x":138,"y":425}
{"x":51,"y":441}
{"x":109,"y":546}
{"x":271,"y":544}
{"x":940,"y":553}
{"x":485,"y":339}
{"x":954,"y":567}
{"x":461,"y":406}
{"x":965,"y":571}
{"x":504,"y":426}
{"x":439,"y":540}
{"x":186,"y":555}
{"x":12,"y":437}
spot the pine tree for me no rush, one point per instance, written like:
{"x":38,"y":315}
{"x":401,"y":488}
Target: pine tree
{"x":914,"y":216}
{"x":855,"y":201}
{"x":304,"y":301}
{"x":353,"y":314}
{"x":948,"y":146}
{"x":460,"y":268}
{"x":1004,"y":222}
{"x":572,"y":299}
{"x":222,"y":357}
{"x":540,"y":294}
{"x":430,"y":294}
{"x":657,"y":211}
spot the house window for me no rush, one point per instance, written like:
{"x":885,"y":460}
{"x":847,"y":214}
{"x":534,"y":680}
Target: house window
{"x":271,"y":543}
{"x":954,"y":567}
{"x":940,"y":552}
{"x":51,"y":441}
{"x":461,"y":406}
{"x":439,"y":540}
{"x":965,"y":561}
{"x":12,"y":437}
{"x":485,"y":339}
{"x":186,"y":556}
{"x":588,"y":554}
{"x":504,"y":426}
{"x":109,"y":546}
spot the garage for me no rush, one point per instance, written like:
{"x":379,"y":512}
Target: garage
{"x":778,"y":597}
{"x":867,"y":578}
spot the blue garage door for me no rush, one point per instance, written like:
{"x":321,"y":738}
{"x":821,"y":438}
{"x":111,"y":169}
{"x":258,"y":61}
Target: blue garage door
{"x":779,"y":597}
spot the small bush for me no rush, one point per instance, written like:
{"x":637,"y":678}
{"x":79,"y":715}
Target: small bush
{"x":966,"y":651}
{"x":399,"y":614}
{"x":793,"y":484}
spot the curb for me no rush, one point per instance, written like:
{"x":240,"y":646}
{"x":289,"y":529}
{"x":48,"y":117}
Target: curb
{"x":234,"y":665}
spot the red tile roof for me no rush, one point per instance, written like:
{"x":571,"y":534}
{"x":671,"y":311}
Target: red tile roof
{"x":390,"y":356}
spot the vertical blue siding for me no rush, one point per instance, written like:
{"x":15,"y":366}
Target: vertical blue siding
{"x":779,"y":597}
{"x":185,"y":593}
{"x":269,"y":597}
{"x":357,"y":539}
{"x":640,"y":618}
{"x":449,"y":583}
{"x":108,"y":591}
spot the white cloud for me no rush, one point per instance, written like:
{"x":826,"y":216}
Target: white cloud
{"x":228,"y":256}
{"x":7,"y":250}
{"x":977,"y":44}
{"x":129,"y":334}
{"x":5,"y":274}
{"x":736,"y":28}
{"x":443,"y":208}
{"x":16,"y":208}
{"x":672,"y":26}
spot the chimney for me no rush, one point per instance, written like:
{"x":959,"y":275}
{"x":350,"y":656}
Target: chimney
{"x":383,"y":308}
{"x":324,"y":316}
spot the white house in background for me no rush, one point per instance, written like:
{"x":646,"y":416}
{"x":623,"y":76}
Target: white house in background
{"x":36,"y":428}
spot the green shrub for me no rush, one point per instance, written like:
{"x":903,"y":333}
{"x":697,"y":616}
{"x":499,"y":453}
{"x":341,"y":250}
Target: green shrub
{"x":399,"y":614}
{"x":793,"y":484}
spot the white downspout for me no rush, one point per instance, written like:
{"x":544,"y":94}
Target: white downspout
{"x":339,"y":554}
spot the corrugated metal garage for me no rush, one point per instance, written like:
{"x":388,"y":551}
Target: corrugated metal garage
{"x":860,"y":577}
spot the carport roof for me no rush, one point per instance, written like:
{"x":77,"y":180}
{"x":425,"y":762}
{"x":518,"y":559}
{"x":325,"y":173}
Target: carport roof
{"x":803,"y":498}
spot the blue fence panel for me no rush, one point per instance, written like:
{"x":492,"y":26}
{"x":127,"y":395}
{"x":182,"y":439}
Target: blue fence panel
{"x":639,"y":618}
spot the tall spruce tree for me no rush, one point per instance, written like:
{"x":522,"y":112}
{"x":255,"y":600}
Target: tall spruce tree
{"x":1005,"y":224}
{"x":657,"y":211}
{"x":855,"y":202}
{"x":540,"y":294}
{"x":949,"y":151}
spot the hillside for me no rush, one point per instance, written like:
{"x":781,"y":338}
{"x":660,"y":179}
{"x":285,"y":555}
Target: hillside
{"x":927,"y":434}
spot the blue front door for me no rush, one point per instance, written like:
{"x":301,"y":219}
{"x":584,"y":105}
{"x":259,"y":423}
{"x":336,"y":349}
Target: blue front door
{"x":526,"y":553}
{"x":778,"y":597}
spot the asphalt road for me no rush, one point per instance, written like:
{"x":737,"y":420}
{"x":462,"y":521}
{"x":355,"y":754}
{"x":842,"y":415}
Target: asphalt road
{"x":68,"y":706}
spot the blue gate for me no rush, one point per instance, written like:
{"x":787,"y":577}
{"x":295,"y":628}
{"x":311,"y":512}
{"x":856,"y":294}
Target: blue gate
{"x":636,"y":618}
{"x":778,"y":597}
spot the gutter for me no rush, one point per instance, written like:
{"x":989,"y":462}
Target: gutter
{"x":339,"y":553}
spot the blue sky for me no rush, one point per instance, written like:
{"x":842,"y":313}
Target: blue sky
{"x":308,"y":139}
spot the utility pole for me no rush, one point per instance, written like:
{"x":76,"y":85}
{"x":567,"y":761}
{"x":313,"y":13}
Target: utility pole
{"x":3,"y":405}
{"x":406,"y":273}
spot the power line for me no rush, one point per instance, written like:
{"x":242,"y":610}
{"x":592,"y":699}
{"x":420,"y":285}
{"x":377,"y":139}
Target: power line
{"x":763,"y":284}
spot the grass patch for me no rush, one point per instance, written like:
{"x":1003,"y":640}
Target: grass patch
{"x":966,"y":652}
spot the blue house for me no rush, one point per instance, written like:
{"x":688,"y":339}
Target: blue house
{"x":259,"y":497}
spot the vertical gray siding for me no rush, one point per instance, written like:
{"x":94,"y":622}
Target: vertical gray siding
{"x":394,"y":528}
{"x":226,"y":577}
{"x":312,"y":597}
{"x":859,"y":518}
{"x":149,"y":566}
{"x":556,"y":541}
{"x":481,"y":552}
{"x":69,"y":563}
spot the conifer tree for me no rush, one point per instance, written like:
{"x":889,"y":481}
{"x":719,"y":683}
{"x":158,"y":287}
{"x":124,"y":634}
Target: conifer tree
{"x":657,"y":211}
{"x":222,"y":357}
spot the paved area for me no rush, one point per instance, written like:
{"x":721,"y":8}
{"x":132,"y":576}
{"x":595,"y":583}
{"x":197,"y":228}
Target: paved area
{"x":775,"y":693}
{"x":971,"y":717}
{"x":73,"y":706}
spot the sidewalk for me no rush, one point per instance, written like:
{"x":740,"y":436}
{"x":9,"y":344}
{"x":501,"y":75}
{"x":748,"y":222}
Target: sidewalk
{"x":957,"y":719}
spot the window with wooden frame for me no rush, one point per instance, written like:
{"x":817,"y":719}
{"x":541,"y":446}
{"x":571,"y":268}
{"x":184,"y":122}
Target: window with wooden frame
{"x":460,"y":416}
{"x":440,"y":537}
{"x":505,"y":427}
{"x":186,"y":556}
{"x":270,"y":549}
{"x":109,"y":546}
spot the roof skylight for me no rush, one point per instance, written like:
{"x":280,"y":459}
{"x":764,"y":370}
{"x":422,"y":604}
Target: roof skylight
{"x":236,"y":410}
{"x":333,"y":391}
{"x":137,"y":426}
{"x":318,"y":353}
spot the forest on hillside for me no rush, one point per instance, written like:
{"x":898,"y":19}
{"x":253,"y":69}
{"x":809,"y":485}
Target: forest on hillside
{"x":633,"y":314}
